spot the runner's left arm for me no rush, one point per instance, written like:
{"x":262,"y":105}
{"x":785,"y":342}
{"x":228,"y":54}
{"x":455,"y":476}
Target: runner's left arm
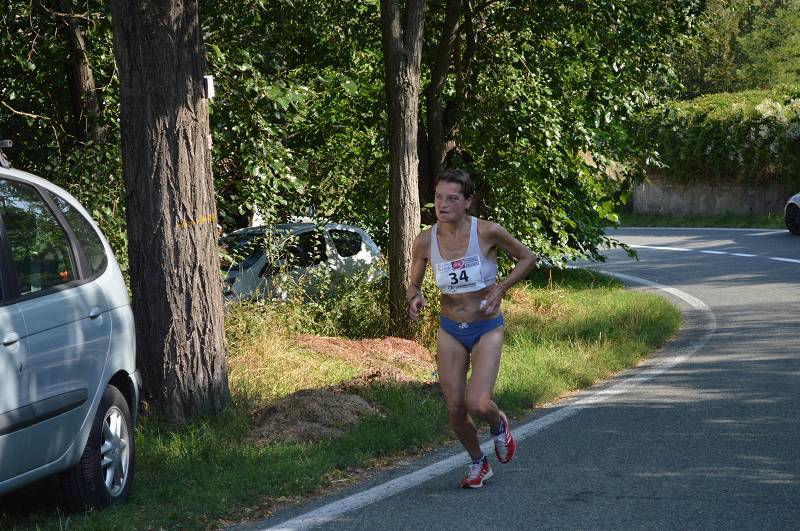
{"x":525,"y":262}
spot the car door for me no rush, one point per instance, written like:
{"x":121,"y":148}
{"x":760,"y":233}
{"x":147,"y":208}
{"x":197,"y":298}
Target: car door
{"x":301,"y":263}
{"x":68,"y":331}
{"x":14,"y":409}
{"x":307,"y":253}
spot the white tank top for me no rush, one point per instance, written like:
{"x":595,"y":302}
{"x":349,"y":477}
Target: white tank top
{"x":472,"y":272}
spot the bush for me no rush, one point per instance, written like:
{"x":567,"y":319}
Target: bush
{"x":744,"y":137}
{"x":332,"y":304}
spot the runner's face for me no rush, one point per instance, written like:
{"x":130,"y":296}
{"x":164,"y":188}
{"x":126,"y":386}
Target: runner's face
{"x":450,"y":203}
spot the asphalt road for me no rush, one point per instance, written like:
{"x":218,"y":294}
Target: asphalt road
{"x":705,"y":435}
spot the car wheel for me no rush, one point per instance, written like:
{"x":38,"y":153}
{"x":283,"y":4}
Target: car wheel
{"x":104,"y":474}
{"x":792,"y":219}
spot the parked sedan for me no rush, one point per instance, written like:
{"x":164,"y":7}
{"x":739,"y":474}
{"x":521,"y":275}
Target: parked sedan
{"x":792,"y":214}
{"x":69,"y":388}
{"x":253,"y":256}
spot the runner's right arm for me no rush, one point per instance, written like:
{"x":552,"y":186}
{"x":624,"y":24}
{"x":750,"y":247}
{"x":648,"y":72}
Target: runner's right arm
{"x":419,"y":259}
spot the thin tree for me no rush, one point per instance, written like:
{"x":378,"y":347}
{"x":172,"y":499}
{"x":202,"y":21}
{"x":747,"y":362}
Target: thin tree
{"x":402,"y":51}
{"x":83,"y":95}
{"x":171,"y":214}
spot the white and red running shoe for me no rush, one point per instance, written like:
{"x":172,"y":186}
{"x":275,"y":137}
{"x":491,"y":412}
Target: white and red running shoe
{"x":476,"y":475}
{"x":504,"y":444}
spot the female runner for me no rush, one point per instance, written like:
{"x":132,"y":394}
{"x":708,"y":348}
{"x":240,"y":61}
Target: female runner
{"x":462,"y":251}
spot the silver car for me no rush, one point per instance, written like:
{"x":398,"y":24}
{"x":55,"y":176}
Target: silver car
{"x":791,"y":214}
{"x":252,"y":256}
{"x":69,"y":388}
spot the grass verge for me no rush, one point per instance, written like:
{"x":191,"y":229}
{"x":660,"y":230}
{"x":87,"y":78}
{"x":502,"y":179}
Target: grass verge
{"x":761,"y":221}
{"x":564,"y":333}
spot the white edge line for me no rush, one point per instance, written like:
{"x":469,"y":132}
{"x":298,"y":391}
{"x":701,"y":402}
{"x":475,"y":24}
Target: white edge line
{"x":779,"y":259}
{"x":660,"y":248}
{"x":753,"y":230}
{"x":656,"y":248}
{"x":331,"y":511}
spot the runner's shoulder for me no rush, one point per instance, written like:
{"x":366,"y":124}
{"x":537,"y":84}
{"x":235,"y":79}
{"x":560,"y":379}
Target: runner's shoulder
{"x":489,"y":230}
{"x":423,"y":242}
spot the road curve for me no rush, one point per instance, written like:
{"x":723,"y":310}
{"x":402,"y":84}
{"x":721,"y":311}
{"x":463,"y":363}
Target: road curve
{"x":705,"y":435}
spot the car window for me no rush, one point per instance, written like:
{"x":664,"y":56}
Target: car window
{"x":347,"y":242}
{"x":39,"y":246}
{"x":88,"y":238}
{"x":242,"y":250}
{"x":306,"y":249}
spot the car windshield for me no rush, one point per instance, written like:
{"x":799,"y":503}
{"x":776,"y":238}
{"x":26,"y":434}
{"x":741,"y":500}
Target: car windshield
{"x":242,"y":249}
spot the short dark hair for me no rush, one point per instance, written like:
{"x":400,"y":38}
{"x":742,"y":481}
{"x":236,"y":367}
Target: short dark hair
{"x":457,"y":176}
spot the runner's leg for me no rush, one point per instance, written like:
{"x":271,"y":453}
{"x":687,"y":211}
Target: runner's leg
{"x":485,"y":366}
{"x":452,"y":363}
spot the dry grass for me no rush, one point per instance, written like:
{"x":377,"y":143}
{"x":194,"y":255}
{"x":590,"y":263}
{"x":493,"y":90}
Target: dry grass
{"x":310,"y":415}
{"x":528,"y":308}
{"x":265,"y":362}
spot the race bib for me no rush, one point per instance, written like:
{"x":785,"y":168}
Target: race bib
{"x":460,"y":276}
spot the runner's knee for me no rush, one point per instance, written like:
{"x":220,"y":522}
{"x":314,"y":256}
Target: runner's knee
{"x":456,"y":413}
{"x":479,"y":406}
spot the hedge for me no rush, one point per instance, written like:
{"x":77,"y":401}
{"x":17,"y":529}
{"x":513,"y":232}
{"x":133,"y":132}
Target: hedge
{"x":750,"y":137}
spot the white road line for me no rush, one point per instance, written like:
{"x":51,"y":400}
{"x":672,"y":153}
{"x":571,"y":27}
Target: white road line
{"x":745,"y":255}
{"x":660,"y":248}
{"x":726,"y":229}
{"x":331,"y":511}
{"x":790,"y":260}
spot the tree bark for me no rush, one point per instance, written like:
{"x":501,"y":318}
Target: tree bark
{"x":454,"y":55}
{"x":402,"y":50}
{"x":437,"y":127}
{"x":83,"y":96}
{"x":171,"y":214}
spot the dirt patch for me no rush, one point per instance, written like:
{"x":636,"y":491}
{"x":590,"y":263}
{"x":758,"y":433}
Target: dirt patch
{"x":314,"y":414}
{"x":390,"y":358}
{"x":310,"y":415}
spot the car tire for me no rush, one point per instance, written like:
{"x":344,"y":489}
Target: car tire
{"x":792,"y":219}
{"x":104,"y":474}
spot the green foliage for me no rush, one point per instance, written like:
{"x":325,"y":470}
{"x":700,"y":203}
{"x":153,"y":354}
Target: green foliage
{"x":742,"y":45}
{"x":254,"y":110}
{"x":556,"y":81}
{"x":750,"y":137}
{"x":298,"y":121}
{"x":771,"y":49}
{"x":35,"y":109}
{"x":549,"y":83}
{"x":354,"y":306}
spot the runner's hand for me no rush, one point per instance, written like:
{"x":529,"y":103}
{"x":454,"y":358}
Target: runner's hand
{"x":415,"y":305}
{"x":493,"y":300}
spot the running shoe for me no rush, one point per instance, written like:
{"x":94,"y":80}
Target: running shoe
{"x":504,"y":444}
{"x":476,"y":475}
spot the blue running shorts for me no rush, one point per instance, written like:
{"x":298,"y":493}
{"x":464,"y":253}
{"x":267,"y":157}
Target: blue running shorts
{"x":469,"y":333}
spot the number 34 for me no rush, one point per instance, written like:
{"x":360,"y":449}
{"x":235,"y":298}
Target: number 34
{"x":455,"y":278}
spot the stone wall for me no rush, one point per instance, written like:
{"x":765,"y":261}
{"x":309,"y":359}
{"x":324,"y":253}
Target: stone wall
{"x":659,"y":196}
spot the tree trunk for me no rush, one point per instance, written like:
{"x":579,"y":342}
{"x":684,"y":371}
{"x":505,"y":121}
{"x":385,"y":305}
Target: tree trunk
{"x":174,"y":263}
{"x":425,"y":182}
{"x":402,"y":50}
{"x":83,"y":98}
{"x":437,"y":127}
{"x":454,"y":55}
